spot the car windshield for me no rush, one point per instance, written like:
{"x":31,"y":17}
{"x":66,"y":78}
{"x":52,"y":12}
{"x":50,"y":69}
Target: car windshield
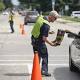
{"x":32,"y":13}
{"x":76,"y":13}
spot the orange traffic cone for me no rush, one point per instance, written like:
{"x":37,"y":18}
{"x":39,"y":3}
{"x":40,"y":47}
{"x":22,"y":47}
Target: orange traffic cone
{"x":22,"y":29}
{"x":20,"y":26}
{"x":23,"y":32}
{"x":36,"y":72}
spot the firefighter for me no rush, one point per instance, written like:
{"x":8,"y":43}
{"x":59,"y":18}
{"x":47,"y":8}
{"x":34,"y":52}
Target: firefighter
{"x":39,"y":37}
{"x":11,"y":21}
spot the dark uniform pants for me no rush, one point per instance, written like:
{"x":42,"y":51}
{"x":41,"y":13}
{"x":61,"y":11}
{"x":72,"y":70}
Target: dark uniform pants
{"x":43,"y":53}
{"x":11,"y":26}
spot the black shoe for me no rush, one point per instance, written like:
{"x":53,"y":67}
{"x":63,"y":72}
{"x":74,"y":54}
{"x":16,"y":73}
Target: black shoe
{"x":46,"y":74}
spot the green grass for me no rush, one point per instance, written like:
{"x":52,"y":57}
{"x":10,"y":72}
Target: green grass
{"x":71,"y":19}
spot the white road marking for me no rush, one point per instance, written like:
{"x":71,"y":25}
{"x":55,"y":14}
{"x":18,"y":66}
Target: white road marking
{"x":30,"y":65}
{"x":27,"y":60}
{"x":32,"y":55}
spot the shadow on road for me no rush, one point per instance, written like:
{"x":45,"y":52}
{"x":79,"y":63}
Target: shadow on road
{"x":63,"y":73}
{"x":17,"y":74}
{"x":5,"y":33}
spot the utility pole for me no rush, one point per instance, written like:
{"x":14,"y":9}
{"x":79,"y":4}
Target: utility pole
{"x":53,"y":4}
{"x":30,"y":7}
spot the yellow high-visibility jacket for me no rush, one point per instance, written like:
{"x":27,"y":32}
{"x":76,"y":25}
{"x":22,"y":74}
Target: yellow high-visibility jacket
{"x":36,"y":28}
{"x":11,"y":16}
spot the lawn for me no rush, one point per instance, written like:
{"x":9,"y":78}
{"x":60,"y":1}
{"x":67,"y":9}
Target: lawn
{"x":71,"y":19}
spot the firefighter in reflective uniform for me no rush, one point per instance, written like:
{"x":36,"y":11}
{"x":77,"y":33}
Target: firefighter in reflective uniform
{"x":39,"y":37}
{"x":11,"y":16}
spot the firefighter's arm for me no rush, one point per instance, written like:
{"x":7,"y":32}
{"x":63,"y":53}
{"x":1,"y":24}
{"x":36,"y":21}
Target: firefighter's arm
{"x":47,"y":41}
{"x":51,"y":32}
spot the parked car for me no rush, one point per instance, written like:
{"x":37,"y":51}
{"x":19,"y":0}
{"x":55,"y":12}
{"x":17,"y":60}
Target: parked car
{"x":20,"y":12}
{"x":23,"y":12}
{"x":5,"y":13}
{"x":31,"y":16}
{"x":74,"y":53}
{"x":75,"y":14}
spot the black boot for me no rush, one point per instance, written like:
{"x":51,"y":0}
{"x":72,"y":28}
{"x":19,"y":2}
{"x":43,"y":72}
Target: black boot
{"x":46,"y":74}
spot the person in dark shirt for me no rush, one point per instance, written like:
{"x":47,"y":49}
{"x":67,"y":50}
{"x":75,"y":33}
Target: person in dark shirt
{"x":42,"y":28}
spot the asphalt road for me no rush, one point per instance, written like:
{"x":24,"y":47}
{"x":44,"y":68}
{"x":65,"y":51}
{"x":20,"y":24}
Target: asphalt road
{"x":16,"y":55}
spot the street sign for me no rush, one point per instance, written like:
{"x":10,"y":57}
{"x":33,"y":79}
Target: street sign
{"x":66,"y":7}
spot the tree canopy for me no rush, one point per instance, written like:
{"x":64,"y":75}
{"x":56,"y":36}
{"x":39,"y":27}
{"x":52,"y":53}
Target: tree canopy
{"x":2,"y":6}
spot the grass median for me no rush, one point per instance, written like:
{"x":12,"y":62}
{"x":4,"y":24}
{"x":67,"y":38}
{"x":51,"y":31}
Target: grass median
{"x":71,"y":19}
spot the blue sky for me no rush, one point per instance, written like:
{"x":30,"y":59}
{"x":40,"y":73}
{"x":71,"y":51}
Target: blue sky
{"x":15,"y":2}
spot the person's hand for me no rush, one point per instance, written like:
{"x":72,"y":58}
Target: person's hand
{"x":55,"y":44}
{"x":67,"y":31}
{"x":51,"y":32}
{"x":53,"y":41}
{"x":52,"y":44}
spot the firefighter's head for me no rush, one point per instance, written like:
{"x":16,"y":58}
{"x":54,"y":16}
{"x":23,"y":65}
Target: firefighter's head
{"x":53,"y":15}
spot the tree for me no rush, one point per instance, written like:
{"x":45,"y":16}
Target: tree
{"x":45,"y":5}
{"x":59,"y":5}
{"x":2,"y":6}
{"x":7,"y":3}
{"x":24,"y":1}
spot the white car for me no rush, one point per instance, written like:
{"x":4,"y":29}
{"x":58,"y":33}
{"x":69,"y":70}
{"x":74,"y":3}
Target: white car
{"x":31,"y":17}
{"x":5,"y":13}
{"x":75,"y":14}
{"x":74,"y":52}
